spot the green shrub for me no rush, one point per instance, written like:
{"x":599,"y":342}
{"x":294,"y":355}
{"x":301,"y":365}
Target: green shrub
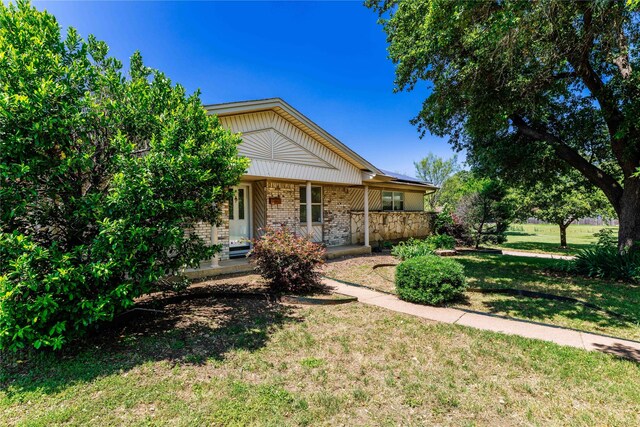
{"x":604,"y":260}
{"x":101,"y":172}
{"x":430,"y":280}
{"x":412,"y":248}
{"x":442,"y":241}
{"x":287,"y":261}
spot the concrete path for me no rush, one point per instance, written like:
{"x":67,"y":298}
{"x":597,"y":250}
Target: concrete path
{"x":569,"y":337}
{"x":537,"y":255}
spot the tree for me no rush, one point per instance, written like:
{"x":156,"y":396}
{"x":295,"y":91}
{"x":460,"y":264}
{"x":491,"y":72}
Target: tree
{"x":525,"y":86}
{"x":486,"y":213}
{"x":456,"y":187}
{"x":435,"y":170}
{"x":100,"y":174}
{"x":562,"y":201}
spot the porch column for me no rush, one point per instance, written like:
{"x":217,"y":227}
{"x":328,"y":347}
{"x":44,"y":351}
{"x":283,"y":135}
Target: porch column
{"x":366,"y":215}
{"x":309,"y":220}
{"x":214,"y":240}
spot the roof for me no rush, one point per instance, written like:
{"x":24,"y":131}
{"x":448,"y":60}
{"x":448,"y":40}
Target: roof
{"x":278,"y":105}
{"x":404,"y":178}
{"x":288,"y":112}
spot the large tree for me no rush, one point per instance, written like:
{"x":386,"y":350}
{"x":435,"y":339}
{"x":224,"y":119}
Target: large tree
{"x":524,"y":85}
{"x":100,"y":174}
{"x":435,"y":170}
{"x":562,"y":201}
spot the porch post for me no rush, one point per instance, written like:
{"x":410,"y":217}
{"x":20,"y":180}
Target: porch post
{"x":309,"y":220}
{"x":366,"y":215}
{"x":214,"y":240}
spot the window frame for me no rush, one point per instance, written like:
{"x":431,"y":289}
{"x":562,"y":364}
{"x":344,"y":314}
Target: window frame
{"x":393,"y":201}
{"x":303,"y":202}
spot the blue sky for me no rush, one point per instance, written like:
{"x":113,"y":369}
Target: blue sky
{"x":326,"y":59}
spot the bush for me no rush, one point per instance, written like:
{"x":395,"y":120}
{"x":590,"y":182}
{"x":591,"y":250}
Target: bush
{"x":442,"y":241}
{"x":415,"y":247}
{"x":287,"y":261}
{"x":449,"y":224}
{"x":430,"y":280}
{"x":101,"y":171}
{"x":604,"y":260}
{"x":412,"y":248}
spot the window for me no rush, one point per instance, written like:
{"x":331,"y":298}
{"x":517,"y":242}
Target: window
{"x":316,"y":204}
{"x":392,"y":201}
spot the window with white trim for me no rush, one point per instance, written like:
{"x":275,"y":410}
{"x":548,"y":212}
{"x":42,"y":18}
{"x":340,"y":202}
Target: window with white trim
{"x":392,"y":201}
{"x":316,"y":204}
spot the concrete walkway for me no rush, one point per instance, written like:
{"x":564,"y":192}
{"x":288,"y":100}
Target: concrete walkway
{"x":537,"y":255}
{"x":569,"y":337}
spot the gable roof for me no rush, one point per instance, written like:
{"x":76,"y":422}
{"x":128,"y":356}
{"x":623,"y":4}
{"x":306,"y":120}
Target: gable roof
{"x":370,"y":172}
{"x":300,"y":120}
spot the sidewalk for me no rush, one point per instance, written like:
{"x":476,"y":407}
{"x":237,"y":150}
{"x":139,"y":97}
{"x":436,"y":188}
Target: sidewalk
{"x":569,"y":337}
{"x":537,"y":255}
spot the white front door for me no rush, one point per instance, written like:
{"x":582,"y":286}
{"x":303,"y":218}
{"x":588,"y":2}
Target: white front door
{"x":239,"y":222}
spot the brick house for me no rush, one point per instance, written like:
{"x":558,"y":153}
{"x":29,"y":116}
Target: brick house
{"x":305,"y":179}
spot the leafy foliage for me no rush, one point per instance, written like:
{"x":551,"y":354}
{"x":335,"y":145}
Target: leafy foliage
{"x":430,"y":279}
{"x":449,"y":224}
{"x":100,"y":174}
{"x":287,"y":261}
{"x":528,"y":88}
{"x":561,"y":200}
{"x":412,"y":248}
{"x":487,"y":213}
{"x":605,"y":261}
{"x":435,"y":170}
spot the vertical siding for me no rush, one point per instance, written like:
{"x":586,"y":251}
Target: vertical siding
{"x":259,"y":191}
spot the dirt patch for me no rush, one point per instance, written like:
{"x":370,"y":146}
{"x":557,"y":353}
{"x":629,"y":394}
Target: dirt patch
{"x":360,"y":270}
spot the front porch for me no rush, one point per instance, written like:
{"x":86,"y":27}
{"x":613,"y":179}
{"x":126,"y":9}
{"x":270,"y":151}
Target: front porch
{"x":242,"y":265}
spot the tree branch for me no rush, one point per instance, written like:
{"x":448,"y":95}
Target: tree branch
{"x":613,"y":117}
{"x":609,"y":185}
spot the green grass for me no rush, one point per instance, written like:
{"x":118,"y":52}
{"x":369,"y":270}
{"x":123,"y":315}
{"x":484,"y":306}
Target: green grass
{"x":537,"y":274}
{"x":546,"y":238}
{"x":254,"y":363}
{"x":517,"y":272}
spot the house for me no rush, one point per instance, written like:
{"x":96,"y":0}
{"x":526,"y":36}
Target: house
{"x":305,"y":179}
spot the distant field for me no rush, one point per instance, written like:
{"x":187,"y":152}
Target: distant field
{"x":546,"y":237}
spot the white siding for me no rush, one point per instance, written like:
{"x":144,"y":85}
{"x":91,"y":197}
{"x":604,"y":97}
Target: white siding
{"x":414,"y":201}
{"x":278,"y":149}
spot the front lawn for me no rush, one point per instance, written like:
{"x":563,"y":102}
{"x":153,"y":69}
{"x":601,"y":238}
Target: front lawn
{"x":217,"y":361}
{"x":545,"y":238}
{"x":528,"y":273}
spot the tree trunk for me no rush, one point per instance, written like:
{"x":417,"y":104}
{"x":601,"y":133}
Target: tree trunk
{"x":563,"y":235}
{"x":629,"y":215}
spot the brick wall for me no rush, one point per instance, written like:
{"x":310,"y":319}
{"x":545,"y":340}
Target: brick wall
{"x":203,"y":230}
{"x":287,"y":213}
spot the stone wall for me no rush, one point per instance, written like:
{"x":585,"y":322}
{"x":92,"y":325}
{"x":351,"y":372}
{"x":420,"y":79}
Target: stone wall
{"x":336,"y":217}
{"x":391,"y":225}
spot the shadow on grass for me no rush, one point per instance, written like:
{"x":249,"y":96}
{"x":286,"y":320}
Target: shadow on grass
{"x":188,"y":332}
{"x":538,"y":275}
{"x":543,"y":309}
{"x":519,"y":233}
{"x":544,"y":247}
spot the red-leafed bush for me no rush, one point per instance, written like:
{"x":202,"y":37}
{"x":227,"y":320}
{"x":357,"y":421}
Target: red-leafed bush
{"x":287,"y":261}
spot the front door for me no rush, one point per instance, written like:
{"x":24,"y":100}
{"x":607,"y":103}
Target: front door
{"x":239,"y":229}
